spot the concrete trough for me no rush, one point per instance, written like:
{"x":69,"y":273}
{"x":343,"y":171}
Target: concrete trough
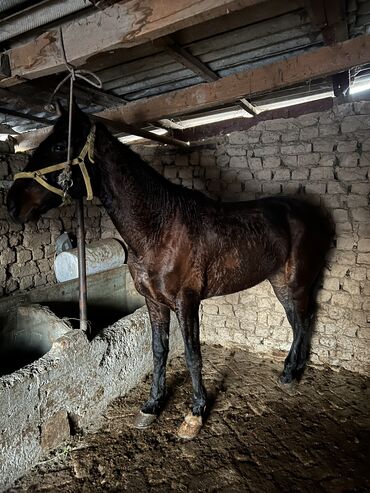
{"x":69,"y":387}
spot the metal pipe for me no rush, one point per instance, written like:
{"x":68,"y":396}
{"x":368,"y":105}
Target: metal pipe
{"x":81,"y":264}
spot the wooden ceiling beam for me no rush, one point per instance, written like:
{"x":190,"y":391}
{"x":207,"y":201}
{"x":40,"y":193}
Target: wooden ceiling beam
{"x":322,"y":62}
{"x":124,"y":24}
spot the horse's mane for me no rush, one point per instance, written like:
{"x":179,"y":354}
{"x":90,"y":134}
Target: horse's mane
{"x":157,"y":186}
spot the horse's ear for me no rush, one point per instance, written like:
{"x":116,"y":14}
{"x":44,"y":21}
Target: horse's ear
{"x":59,"y":109}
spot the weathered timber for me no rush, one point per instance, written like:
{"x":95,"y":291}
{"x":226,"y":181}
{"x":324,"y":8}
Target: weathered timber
{"x":124,"y":24}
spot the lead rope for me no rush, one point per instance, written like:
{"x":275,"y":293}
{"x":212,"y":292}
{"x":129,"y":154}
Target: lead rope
{"x":65,"y":178}
{"x":66,"y":182}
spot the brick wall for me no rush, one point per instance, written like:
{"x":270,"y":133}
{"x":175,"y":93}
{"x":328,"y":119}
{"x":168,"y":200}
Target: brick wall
{"x":325,"y":156}
{"x":27,"y":252}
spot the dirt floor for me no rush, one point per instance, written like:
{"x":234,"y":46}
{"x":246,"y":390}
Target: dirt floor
{"x":258,"y":437}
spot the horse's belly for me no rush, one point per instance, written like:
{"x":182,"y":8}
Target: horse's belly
{"x":228,"y":276}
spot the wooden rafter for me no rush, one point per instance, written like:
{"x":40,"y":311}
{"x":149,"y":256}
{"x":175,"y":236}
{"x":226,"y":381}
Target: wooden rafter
{"x":186,"y":59}
{"x":330,"y":17}
{"x":193,"y":63}
{"x":125,"y":24}
{"x":27,"y":141}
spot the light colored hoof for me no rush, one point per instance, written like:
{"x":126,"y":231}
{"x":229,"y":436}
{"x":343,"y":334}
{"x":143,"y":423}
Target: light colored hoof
{"x":142,"y":420}
{"x":190,"y":427}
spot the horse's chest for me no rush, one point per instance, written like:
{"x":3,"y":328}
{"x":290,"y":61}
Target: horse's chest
{"x":149,"y":282}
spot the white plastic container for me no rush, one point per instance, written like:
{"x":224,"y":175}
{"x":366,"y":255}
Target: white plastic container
{"x":100,"y":256}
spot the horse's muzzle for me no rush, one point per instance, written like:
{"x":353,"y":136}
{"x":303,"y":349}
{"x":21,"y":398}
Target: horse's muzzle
{"x":20,"y":208}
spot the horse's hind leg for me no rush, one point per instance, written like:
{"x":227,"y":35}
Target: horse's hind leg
{"x":297,"y":302}
{"x":160,"y":322}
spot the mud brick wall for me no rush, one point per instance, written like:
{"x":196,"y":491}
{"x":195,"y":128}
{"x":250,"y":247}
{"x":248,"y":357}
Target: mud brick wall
{"x":324,"y":156}
{"x":27,"y":252}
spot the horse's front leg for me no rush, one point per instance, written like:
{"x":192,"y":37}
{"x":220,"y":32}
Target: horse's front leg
{"x":160,"y":322}
{"x":187,"y":311}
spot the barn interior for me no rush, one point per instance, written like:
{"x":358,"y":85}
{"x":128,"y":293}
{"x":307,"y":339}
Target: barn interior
{"x":238,"y":99}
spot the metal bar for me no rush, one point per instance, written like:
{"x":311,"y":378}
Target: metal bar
{"x":248,"y":107}
{"x":81,"y":263}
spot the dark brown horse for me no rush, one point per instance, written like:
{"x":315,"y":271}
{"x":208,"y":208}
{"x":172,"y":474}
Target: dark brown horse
{"x":185,"y":247}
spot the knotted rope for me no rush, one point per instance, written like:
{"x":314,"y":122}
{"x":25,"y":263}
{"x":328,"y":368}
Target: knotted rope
{"x":65,"y":178}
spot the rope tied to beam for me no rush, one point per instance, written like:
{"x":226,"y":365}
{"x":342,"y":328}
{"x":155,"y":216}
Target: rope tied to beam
{"x":65,"y":178}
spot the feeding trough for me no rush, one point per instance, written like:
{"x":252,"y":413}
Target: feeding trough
{"x":28,"y":333}
{"x":56,"y":379}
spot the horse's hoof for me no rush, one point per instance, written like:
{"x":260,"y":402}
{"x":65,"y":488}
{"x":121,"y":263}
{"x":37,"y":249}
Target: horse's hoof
{"x":288,"y":384}
{"x":286,"y":379}
{"x":190,"y":427}
{"x":143,"y":420}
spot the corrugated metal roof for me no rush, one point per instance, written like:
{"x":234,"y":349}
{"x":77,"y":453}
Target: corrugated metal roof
{"x":227,"y":53}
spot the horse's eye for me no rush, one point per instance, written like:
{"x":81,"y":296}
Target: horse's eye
{"x":59,"y":148}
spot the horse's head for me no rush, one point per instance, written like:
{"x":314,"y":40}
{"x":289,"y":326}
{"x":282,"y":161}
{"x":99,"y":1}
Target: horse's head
{"x":27,"y":198}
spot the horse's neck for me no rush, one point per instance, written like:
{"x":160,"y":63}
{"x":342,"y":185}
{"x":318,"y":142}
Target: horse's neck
{"x":134,"y":195}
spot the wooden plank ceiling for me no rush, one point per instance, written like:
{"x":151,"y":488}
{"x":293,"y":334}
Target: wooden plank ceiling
{"x":161,"y":60}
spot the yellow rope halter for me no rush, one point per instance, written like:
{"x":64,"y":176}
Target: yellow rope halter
{"x":87,"y":150}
